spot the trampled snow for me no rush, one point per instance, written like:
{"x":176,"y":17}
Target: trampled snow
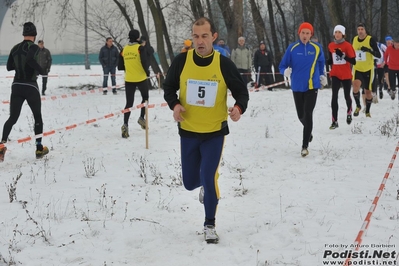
{"x":98,"y":199}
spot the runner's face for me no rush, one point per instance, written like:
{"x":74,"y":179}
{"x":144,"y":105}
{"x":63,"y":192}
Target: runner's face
{"x":305,"y":35}
{"x":203,"y":39}
{"x":338,"y":35}
{"x":361,"y":32}
{"x":396,"y":45}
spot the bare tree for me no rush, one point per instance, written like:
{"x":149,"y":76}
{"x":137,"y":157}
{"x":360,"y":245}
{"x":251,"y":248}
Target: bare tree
{"x":308,"y":10}
{"x":258,"y":21}
{"x":197,"y":9}
{"x":105,"y":20}
{"x":323,"y":27}
{"x":336,"y":12}
{"x":384,"y":19}
{"x":165,"y":31}
{"x":158,"y":33}
{"x":233,"y":17}
{"x":369,"y":15}
{"x":351,"y":28}
{"x":208,"y":6}
{"x":284,"y":26}
{"x":273,"y":31}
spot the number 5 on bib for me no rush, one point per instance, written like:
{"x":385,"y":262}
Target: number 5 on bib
{"x":201,"y":92}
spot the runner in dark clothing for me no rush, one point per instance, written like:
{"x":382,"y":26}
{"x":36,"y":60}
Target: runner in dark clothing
{"x":23,"y":59}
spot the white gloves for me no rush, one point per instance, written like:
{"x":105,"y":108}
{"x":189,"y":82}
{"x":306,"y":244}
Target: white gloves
{"x":323,"y":80}
{"x":287,"y":72}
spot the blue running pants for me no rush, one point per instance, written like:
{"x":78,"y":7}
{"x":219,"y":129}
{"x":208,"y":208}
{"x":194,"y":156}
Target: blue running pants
{"x":200,"y":161}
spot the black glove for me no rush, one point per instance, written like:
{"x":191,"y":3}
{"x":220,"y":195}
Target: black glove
{"x":365,"y":49}
{"x":339,"y":52}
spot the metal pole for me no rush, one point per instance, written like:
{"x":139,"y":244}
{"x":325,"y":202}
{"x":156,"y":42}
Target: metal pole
{"x":146,"y":126}
{"x":87,"y":61}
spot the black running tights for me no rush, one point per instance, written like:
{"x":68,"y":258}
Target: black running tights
{"x":19,"y":93}
{"x":130,"y":89}
{"x":336,"y":84}
{"x":305,"y":103}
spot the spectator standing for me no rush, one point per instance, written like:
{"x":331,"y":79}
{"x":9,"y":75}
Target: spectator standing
{"x":263,"y":61}
{"x":222,"y":43}
{"x":44,"y":59}
{"x":23,"y":59}
{"x":149,"y":51}
{"x":242,"y":57}
{"x":108,"y":58}
{"x":221,"y":50}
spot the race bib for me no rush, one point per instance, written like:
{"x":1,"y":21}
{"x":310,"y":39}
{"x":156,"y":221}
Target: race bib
{"x":201,"y":93}
{"x":360,"y":55}
{"x":337,"y":60}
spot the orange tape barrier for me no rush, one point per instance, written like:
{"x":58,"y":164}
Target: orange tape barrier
{"x":87,"y":122}
{"x":70,"y":75}
{"x":75,"y":94}
{"x":366,"y":223}
{"x":268,"y":86}
{"x":90,"y":121}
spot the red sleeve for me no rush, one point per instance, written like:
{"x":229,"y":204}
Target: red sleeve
{"x":386,"y":54}
{"x":350,"y":52}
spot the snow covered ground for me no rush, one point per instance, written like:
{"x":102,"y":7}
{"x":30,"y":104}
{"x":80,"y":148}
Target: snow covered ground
{"x":98,"y":199}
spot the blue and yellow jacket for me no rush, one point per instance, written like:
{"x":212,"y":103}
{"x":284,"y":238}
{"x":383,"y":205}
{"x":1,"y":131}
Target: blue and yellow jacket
{"x":307,"y":62}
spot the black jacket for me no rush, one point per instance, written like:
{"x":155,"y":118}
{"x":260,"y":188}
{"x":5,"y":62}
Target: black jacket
{"x":149,"y":51}
{"x":263,"y":59}
{"x":23,"y":59}
{"x":108,"y":56}
{"x":44,"y":59}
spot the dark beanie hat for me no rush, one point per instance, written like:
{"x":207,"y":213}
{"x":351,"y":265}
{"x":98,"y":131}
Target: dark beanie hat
{"x":143,"y":38}
{"x":134,"y":35}
{"x":361,"y":24}
{"x":29,"y":29}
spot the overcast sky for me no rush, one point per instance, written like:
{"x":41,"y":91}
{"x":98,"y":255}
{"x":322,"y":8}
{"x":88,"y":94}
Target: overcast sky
{"x":56,"y":43}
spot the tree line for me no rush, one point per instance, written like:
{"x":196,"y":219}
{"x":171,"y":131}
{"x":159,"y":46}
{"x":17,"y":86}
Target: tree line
{"x":168,"y":22}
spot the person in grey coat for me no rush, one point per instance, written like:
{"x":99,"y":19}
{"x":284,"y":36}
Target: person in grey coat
{"x":242,"y":57}
{"x":108,"y":58}
{"x":44,"y":59}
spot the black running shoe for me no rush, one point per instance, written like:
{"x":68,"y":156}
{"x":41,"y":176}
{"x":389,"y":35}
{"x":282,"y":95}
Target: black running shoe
{"x":349,"y":119}
{"x":334,"y":125}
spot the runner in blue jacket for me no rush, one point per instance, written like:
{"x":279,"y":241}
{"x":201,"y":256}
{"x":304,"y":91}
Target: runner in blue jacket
{"x":304,"y":62}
